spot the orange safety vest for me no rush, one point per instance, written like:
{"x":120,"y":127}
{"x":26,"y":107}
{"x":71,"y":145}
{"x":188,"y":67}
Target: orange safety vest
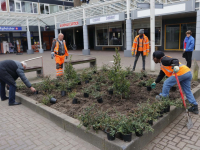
{"x":183,"y":69}
{"x":144,"y":45}
{"x":56,"y":49}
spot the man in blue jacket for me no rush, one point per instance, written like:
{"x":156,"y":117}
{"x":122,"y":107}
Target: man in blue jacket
{"x":188,"y":46}
{"x":10,"y":70}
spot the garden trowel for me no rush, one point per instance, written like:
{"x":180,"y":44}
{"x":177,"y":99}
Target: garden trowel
{"x":189,"y":122}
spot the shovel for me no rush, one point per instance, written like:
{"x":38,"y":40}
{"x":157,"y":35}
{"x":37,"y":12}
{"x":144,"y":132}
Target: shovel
{"x":189,"y":123}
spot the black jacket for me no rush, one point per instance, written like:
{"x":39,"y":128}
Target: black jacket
{"x":166,"y":61}
{"x":10,"y":70}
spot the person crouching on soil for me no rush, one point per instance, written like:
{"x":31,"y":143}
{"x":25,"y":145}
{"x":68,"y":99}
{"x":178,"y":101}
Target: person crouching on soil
{"x":184,"y":75}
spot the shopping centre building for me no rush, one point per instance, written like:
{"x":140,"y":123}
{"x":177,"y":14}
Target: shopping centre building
{"x":106,"y":25}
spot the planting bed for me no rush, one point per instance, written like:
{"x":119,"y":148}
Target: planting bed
{"x":137,"y":95}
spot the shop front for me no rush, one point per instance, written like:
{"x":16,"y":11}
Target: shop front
{"x":109,"y":31}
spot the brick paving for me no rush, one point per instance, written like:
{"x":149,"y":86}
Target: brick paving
{"x":177,"y":137}
{"x":23,"y":129}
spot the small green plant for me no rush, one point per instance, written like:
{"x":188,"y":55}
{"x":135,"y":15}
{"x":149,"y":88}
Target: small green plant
{"x":72,"y":95}
{"x":46,"y":99}
{"x":97,"y":95}
{"x":110,"y":88}
{"x":104,"y":68}
{"x":141,"y":83}
{"x":70,"y":72}
{"x":125,"y":125}
{"x":128,"y":71}
{"x":149,"y":82}
{"x":46,"y":86}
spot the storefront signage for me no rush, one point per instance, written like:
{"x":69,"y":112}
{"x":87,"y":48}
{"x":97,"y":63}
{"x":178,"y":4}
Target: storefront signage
{"x":6,"y":28}
{"x":70,"y":24}
{"x":104,"y":19}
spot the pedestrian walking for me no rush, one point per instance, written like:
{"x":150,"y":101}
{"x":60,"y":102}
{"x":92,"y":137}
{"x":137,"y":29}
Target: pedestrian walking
{"x":59,"y":50}
{"x":140,"y":47}
{"x":184,"y":75}
{"x":10,"y":71}
{"x":188,"y":45}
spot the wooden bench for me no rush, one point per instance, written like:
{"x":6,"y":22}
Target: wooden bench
{"x":38,"y":69}
{"x":91,"y":60}
{"x":103,"y":47}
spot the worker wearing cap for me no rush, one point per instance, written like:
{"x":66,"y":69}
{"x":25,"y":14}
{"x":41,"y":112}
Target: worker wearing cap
{"x":10,"y":70}
{"x":184,"y":75}
{"x":59,"y":50}
{"x":140,"y":47}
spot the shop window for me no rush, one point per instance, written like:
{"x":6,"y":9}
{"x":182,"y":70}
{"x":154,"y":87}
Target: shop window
{"x":115,"y":37}
{"x":102,"y":36}
{"x":3,"y":5}
{"x":175,"y":35}
{"x":53,"y":8}
{"x":147,"y":33}
{"x":27,"y":7}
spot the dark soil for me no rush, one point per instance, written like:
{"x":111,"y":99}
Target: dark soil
{"x":137,"y":95}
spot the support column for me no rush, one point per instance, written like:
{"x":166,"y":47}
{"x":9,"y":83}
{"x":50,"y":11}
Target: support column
{"x":30,"y":50}
{"x":74,"y":36}
{"x":196,"y":53}
{"x":127,"y":52}
{"x":40,"y":40}
{"x":85,"y":51}
{"x":152,"y":29}
{"x":55,"y":30}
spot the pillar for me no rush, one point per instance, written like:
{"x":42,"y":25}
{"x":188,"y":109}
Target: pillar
{"x":85,"y":51}
{"x":127,"y":52}
{"x":40,"y":39}
{"x":30,"y":50}
{"x":196,"y":53}
{"x":55,"y":30}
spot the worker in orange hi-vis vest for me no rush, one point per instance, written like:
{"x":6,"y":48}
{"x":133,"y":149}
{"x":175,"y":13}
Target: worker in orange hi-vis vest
{"x":59,"y":50}
{"x":140,"y":47}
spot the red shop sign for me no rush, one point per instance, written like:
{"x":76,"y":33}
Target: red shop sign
{"x":69,"y":24}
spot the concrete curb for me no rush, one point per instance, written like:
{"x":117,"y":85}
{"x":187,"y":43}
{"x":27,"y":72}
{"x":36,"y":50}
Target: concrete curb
{"x":100,"y":139}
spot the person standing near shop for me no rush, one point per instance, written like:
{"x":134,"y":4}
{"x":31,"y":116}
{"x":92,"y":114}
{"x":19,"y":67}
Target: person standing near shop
{"x":140,"y":47}
{"x":188,"y":45}
{"x":59,"y":50}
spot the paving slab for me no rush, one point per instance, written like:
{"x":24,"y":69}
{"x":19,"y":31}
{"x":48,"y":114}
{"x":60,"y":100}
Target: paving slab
{"x":22,"y":129}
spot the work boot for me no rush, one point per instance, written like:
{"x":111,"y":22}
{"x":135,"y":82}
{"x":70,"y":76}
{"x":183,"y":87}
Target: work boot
{"x":158,"y":97}
{"x":15,"y":103}
{"x":194,"y":109}
{"x":6,"y":98}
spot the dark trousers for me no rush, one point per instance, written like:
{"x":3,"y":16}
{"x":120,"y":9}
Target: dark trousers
{"x":12,"y":89}
{"x":136,"y":59}
{"x":188,"y":57}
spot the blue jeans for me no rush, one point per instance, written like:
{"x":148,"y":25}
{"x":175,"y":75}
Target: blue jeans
{"x":12,"y":90}
{"x":185,"y":82}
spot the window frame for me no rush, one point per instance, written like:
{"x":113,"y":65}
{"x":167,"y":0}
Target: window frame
{"x":16,"y":7}
{"x":33,"y":7}
{"x":44,"y":8}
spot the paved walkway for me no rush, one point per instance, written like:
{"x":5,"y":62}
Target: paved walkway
{"x":23,"y":129}
{"x":177,"y":137}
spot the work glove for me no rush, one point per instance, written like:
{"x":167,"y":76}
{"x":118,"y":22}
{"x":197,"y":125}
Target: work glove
{"x":147,"y":54}
{"x":66,"y":57}
{"x":52,"y":55}
{"x":153,"y":85}
{"x":132,"y":52}
{"x":176,"y":69}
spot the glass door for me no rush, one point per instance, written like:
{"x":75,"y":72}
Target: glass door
{"x":18,"y":6}
{"x":172,"y":37}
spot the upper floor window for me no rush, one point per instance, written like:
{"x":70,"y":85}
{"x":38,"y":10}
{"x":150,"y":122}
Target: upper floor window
{"x":67,"y":7}
{"x":23,"y":6}
{"x":3,"y":5}
{"x":60,"y":8}
{"x":44,"y":9}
